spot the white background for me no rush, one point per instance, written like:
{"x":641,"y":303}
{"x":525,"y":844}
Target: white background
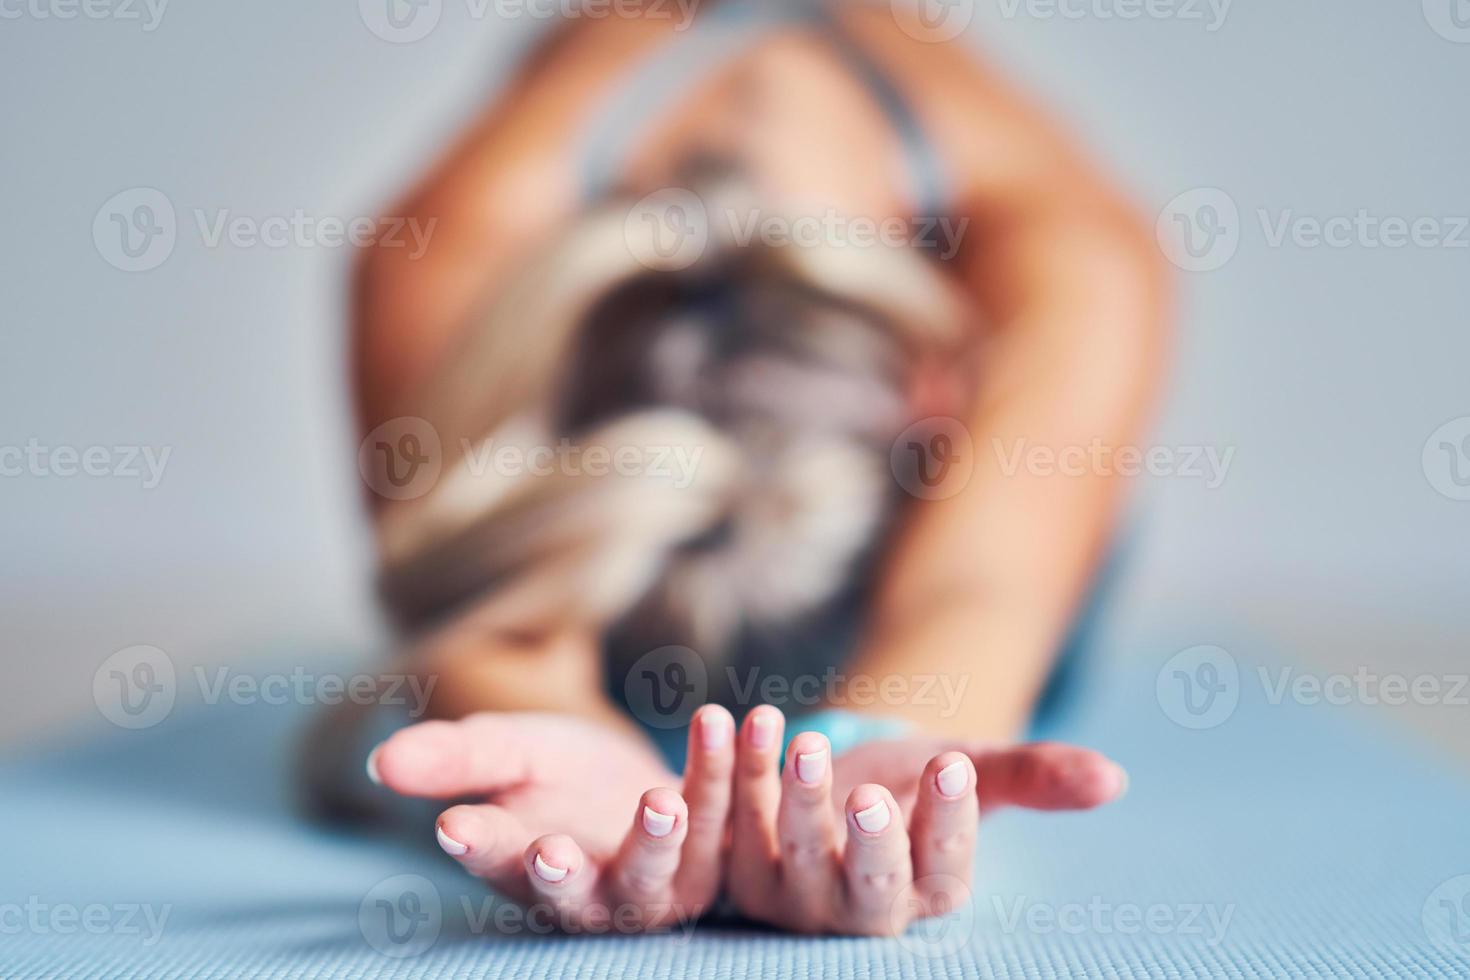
{"x":1326,"y":369}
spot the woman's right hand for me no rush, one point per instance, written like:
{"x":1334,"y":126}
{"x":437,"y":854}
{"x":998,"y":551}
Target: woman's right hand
{"x":545,"y":834}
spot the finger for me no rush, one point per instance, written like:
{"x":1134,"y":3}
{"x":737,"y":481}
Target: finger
{"x":561,"y":878}
{"x":1047,"y":776}
{"x":876,"y":861}
{"x":754,"y":849}
{"x":488,"y":841}
{"x":943,"y":831}
{"x":477,"y":755}
{"x":642,"y":875}
{"x":807,"y":831}
{"x":707,"y":793}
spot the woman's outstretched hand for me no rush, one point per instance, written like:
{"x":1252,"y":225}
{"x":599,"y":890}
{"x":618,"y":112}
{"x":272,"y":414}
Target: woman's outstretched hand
{"x":885,"y":833}
{"x":558,"y":793}
{"x":861,"y":844}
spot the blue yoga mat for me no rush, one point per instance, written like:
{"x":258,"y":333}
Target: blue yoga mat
{"x":1270,"y":840}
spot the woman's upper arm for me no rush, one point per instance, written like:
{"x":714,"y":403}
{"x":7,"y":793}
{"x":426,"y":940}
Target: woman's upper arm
{"x":494,"y":196}
{"x":1073,"y":293}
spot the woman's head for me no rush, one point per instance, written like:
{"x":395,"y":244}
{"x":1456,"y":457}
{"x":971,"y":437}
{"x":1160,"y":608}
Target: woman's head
{"x":780,"y":375}
{"x":800,"y":392}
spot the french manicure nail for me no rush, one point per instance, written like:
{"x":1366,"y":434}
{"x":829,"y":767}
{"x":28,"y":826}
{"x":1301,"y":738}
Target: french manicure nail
{"x":811,"y":766}
{"x":874,"y":818}
{"x":952,"y":779}
{"x":547,"y":872}
{"x":372,"y":766}
{"x":657,"y":824}
{"x":450,"y":845}
{"x":714,"y":730}
{"x":762,"y":731}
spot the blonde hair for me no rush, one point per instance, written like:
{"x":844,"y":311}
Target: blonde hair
{"x":780,"y":504}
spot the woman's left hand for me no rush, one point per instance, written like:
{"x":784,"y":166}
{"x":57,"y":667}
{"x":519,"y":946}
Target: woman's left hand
{"x":885,"y":833}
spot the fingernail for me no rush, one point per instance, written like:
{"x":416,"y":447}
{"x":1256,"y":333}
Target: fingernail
{"x":762,"y":731}
{"x":657,"y":824}
{"x":714,"y":730}
{"x":1122,"y":783}
{"x":811,"y":766}
{"x":874,"y":818}
{"x":372,"y":766}
{"x":547,"y":872}
{"x":450,"y":845}
{"x":952,"y":779}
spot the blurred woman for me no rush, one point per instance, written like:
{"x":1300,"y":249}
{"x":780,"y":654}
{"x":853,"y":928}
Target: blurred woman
{"x":659,"y":245}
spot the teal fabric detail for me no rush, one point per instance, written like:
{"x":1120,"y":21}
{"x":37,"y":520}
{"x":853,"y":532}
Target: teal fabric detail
{"x":847,"y":729}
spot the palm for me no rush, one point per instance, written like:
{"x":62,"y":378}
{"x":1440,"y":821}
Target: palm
{"x":576,"y":772}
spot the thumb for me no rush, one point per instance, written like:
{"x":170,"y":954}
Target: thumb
{"x":1046,"y":776}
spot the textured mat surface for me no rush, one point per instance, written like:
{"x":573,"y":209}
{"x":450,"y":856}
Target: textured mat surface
{"x":1282,"y":840}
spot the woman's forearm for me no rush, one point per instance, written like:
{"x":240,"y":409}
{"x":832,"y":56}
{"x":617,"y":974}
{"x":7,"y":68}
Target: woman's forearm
{"x":963,"y":668}
{"x":982,"y":587}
